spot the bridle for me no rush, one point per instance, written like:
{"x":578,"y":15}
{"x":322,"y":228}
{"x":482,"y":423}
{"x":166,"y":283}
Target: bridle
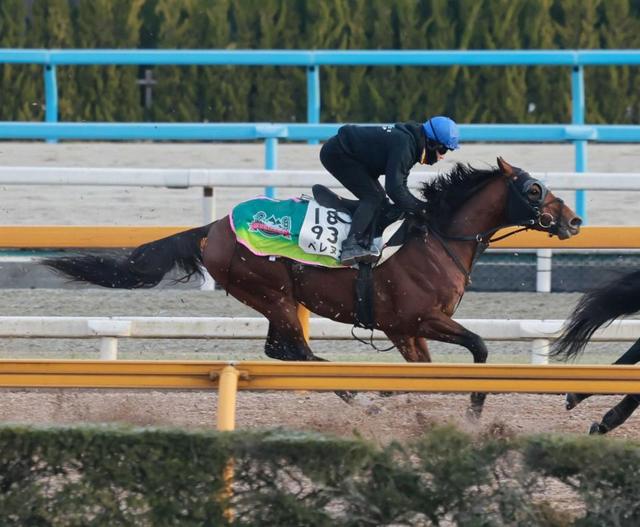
{"x":527,"y":212}
{"x":521,"y":211}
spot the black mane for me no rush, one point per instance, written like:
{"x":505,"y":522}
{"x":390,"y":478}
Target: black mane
{"x":448,"y":192}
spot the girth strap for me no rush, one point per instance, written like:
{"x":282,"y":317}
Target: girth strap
{"x":364,"y":297}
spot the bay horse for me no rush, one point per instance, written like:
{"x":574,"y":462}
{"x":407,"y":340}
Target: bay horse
{"x":600,"y":306}
{"x":415,"y":292}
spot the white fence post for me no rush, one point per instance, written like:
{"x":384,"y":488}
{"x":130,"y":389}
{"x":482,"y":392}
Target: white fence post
{"x":208,"y":204}
{"x":108,"y":348}
{"x":209,"y":215}
{"x":540,"y":351}
{"x":109,"y":330}
{"x":543,"y":273}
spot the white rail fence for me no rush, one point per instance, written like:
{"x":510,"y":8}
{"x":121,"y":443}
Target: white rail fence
{"x":109,"y":329}
{"x":209,"y":179}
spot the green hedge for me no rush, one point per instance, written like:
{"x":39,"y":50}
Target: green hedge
{"x":349,"y":94}
{"x":75,"y":476}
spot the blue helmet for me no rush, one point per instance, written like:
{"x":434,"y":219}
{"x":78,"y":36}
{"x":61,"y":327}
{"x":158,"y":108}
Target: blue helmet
{"x":442,"y":130}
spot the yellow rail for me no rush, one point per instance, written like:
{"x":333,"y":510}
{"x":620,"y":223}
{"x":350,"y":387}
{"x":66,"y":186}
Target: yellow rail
{"x":229,"y":377}
{"x":84,"y":236}
{"x":590,"y":237}
{"x":108,"y":237}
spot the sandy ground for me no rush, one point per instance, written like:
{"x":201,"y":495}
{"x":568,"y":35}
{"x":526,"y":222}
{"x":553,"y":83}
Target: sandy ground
{"x":378,"y":418}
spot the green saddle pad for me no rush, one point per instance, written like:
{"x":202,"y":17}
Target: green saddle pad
{"x":298,"y":229}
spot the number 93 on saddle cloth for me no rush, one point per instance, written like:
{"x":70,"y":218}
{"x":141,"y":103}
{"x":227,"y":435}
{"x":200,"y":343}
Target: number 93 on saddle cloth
{"x":304,"y":230}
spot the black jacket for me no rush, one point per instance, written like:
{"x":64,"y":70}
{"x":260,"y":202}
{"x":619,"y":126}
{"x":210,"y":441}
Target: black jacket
{"x":388,"y":150}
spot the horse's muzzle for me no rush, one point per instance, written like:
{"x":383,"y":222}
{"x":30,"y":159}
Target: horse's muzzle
{"x":569,"y":227}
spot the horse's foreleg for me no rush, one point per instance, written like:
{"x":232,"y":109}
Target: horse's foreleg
{"x":631,"y":356}
{"x":616,"y":416}
{"x":445,"y":329}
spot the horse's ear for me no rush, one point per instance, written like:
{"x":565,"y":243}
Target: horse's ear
{"x":505,"y":167}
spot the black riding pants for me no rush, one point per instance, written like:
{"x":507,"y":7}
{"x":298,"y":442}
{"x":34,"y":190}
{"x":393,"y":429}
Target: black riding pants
{"x":355,"y":177}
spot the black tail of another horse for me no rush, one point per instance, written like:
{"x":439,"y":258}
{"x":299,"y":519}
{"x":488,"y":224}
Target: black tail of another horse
{"x":613,"y":300}
{"x":144,"y":267}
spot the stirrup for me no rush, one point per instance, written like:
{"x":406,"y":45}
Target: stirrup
{"x":353,"y":254}
{"x":372,"y":256}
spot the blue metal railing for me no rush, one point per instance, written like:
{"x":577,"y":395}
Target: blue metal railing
{"x":577,"y":132}
{"x":507,"y":133}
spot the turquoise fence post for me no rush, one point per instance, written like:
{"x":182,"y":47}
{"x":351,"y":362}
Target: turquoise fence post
{"x":577,"y":118}
{"x":313,"y":98}
{"x":270,"y":161}
{"x":50,"y":96}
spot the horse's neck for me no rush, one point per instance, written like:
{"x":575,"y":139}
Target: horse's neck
{"x":479,"y":215}
{"x":484,"y":211}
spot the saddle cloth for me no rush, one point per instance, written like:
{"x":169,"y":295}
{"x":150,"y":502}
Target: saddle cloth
{"x":302,"y":230}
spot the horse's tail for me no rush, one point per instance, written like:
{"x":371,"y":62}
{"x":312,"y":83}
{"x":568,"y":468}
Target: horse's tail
{"x":603,"y":305}
{"x":144,"y":267}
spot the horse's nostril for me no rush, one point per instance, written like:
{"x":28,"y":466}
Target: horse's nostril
{"x":576,"y":222}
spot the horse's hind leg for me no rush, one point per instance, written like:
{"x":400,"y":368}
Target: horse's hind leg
{"x":284,"y":347}
{"x":413,"y":349}
{"x":616,"y":416}
{"x":287,"y":345}
{"x":285,"y":339}
{"x":631,"y":356}
{"x":281,"y":347}
{"x":444,"y":329}
{"x":423,"y":349}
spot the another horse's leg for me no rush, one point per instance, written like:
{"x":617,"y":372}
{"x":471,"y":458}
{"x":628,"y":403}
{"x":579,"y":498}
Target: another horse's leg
{"x":444,"y":329}
{"x":631,"y":356}
{"x":616,"y":416}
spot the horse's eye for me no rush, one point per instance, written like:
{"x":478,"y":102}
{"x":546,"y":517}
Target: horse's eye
{"x":534,"y":192}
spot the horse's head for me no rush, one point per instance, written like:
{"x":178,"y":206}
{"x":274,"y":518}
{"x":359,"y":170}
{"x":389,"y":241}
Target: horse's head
{"x":530,"y":203}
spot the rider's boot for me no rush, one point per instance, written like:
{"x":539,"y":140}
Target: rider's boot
{"x":354,"y":252}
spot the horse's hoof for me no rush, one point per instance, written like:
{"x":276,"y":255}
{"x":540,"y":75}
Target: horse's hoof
{"x":474,"y":414}
{"x":474,"y":410}
{"x":596,"y":429}
{"x":346,"y":395}
{"x":570,"y":401}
